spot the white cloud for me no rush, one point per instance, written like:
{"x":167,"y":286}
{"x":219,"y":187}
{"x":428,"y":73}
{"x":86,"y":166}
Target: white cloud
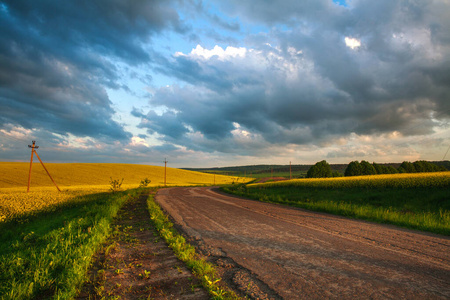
{"x":352,"y":42}
{"x":229,"y":52}
{"x":137,"y":141}
{"x":16,"y":132}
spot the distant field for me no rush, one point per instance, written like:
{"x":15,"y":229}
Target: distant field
{"x":80,"y":179}
{"x":419,"y":200}
{"x":77,"y":174}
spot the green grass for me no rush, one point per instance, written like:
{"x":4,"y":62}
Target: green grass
{"x":422,"y":208}
{"x":46,"y":255}
{"x":186,"y":253}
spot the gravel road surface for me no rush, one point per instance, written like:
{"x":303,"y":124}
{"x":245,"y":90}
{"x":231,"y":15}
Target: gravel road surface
{"x":278,"y":252}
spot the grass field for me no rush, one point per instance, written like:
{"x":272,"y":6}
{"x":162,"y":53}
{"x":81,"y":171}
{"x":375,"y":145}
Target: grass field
{"x":420,"y":201}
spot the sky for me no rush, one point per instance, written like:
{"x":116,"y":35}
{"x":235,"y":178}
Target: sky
{"x":225,"y":83}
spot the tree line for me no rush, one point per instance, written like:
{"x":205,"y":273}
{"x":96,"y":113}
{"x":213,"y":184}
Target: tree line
{"x":322,"y":169}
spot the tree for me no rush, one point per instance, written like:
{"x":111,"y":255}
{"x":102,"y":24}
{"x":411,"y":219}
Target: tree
{"x":425,"y":166}
{"x":406,"y":167}
{"x":367,"y":168}
{"x":380,"y":169}
{"x":384,"y":169}
{"x":336,"y":174}
{"x":321,"y":169}
{"x":391,"y":170}
{"x":353,"y":169}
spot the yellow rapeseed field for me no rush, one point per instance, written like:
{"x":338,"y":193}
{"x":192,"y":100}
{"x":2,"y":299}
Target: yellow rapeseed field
{"x":78,"y":179}
{"x":16,"y":201}
{"x":76,"y":174}
{"x":405,"y":180}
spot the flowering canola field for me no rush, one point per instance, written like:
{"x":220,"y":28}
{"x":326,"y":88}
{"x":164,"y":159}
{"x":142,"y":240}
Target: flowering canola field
{"x":406,"y":180}
{"x":76,"y":180}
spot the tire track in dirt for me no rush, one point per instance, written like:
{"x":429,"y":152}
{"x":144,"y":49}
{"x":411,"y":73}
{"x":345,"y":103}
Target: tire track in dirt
{"x":297,"y":254}
{"x":373,"y":242}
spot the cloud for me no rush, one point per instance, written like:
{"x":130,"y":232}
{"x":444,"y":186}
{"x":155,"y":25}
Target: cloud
{"x":261,"y":79}
{"x":58,"y":58}
{"x":352,"y":43}
{"x":371,"y":68}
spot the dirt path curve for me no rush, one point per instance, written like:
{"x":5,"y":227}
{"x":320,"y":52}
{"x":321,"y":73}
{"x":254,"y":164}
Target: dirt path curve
{"x":297,"y":254}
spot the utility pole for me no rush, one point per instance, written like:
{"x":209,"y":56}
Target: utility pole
{"x":33,"y":151}
{"x":165,"y":170}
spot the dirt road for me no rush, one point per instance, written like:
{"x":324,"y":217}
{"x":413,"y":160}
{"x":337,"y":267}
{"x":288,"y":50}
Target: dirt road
{"x":274,"y":251}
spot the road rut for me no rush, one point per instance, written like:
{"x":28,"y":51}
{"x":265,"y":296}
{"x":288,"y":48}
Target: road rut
{"x":297,"y":254}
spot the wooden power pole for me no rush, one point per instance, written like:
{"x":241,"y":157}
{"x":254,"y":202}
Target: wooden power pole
{"x":33,"y":151}
{"x":165,"y":170}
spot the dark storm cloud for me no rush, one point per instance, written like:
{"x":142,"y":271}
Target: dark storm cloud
{"x":57,"y":57}
{"x":309,"y":86}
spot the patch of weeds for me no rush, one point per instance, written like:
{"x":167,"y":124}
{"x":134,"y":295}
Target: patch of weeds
{"x":145,"y":274}
{"x":110,"y":248}
{"x":118,"y":271}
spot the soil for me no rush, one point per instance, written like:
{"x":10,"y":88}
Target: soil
{"x":135,"y":263}
{"x":268,"y":251}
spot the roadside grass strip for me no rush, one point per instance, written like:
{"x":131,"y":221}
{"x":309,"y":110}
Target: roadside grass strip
{"x":416,"y":201}
{"x":45,"y":254}
{"x":186,"y":253}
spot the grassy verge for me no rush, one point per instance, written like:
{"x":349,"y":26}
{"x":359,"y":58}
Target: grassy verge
{"x":186,"y":253}
{"x":422,"y":208}
{"x":46,"y":255}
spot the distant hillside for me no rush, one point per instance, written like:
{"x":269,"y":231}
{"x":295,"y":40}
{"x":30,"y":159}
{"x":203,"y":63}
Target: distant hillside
{"x":297,"y":170}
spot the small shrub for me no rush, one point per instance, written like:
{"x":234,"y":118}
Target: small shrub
{"x":144,"y":182}
{"x":115,"y":184}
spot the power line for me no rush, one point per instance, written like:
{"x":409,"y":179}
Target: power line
{"x":446,"y":153}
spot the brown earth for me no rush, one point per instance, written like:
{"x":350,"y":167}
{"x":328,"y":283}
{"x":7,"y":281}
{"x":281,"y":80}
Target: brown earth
{"x":136,"y":263}
{"x":267,"y":251}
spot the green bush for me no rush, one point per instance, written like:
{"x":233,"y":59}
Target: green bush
{"x":321,"y":169}
{"x":353,"y":169}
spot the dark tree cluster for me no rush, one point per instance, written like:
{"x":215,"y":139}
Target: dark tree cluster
{"x":419,"y":166}
{"x":356,"y":168}
{"x":322,"y":169}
